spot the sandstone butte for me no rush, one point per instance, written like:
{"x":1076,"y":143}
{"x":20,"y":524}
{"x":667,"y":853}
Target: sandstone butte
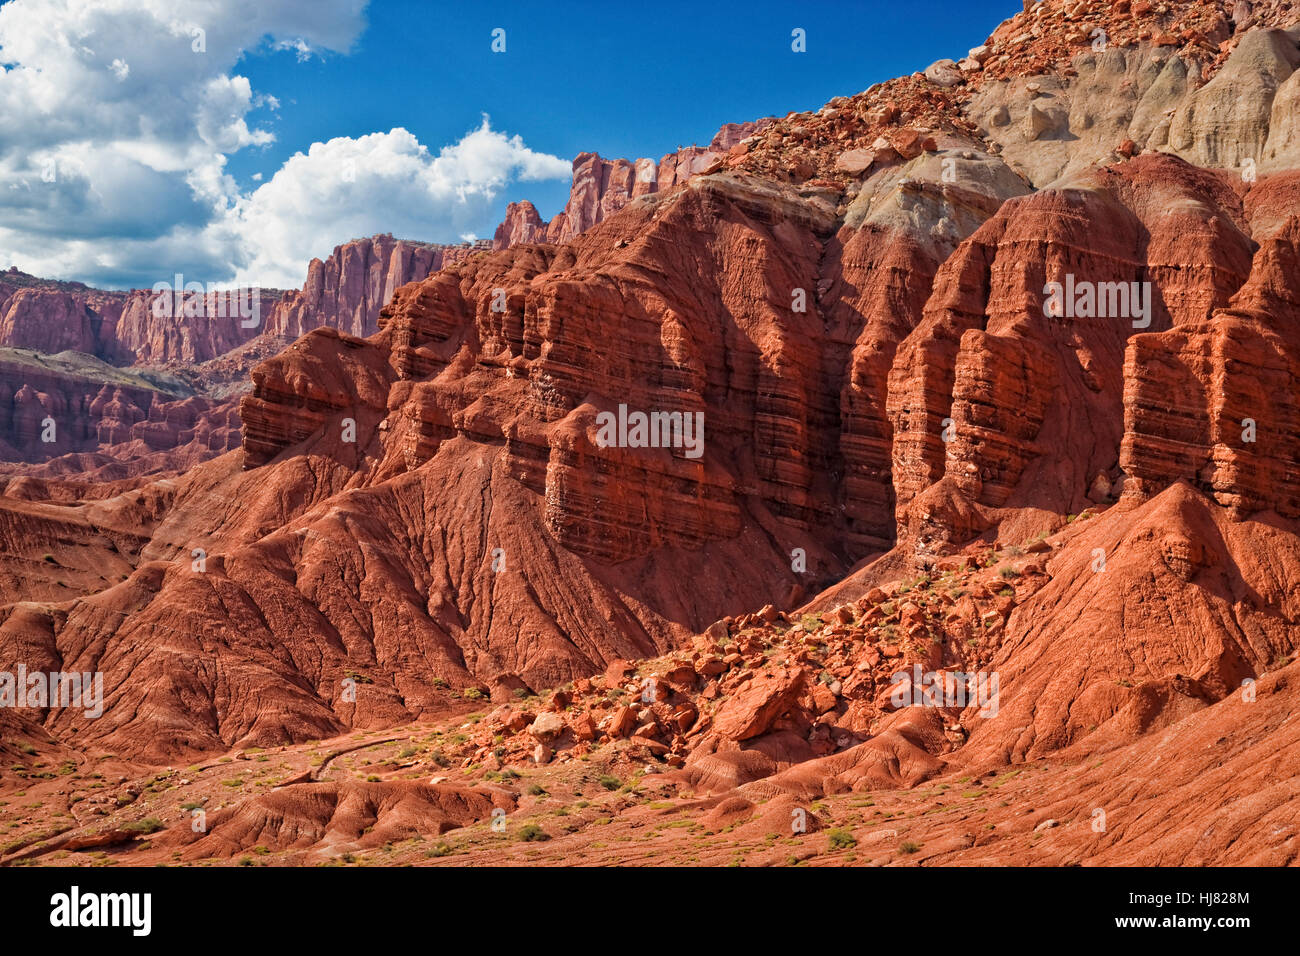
{"x":406,"y":586}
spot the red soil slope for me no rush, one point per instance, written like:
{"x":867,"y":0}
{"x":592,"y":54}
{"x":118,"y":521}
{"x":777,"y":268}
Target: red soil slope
{"x":910,"y":464}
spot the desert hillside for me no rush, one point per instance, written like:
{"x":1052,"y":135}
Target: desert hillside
{"x":960,"y":524}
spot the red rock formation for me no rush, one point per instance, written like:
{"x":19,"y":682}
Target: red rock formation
{"x":143,"y":327}
{"x":358,"y":815}
{"x":123,"y":328}
{"x":992,"y":400}
{"x":523,"y":223}
{"x":1212,"y":402}
{"x":490,"y":361}
{"x":298,"y":391}
{"x":856,"y":302}
{"x":348,"y":289}
{"x":162,"y":329}
{"x":131,"y":432}
{"x":50,"y":408}
{"x":49,"y":321}
{"x":601,"y":187}
{"x":1117,"y":652}
{"x":731,"y":134}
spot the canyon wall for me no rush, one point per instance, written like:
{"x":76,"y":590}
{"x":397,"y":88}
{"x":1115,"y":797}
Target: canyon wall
{"x":347,"y":290}
{"x":142,"y":327}
{"x":855,"y":303}
{"x":52,"y":406}
{"x":601,"y":187}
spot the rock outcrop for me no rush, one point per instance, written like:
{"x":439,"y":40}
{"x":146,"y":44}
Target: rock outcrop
{"x":52,"y":406}
{"x":601,"y":187}
{"x":734,"y":476}
{"x":347,"y":290}
{"x":197,"y":335}
{"x":143,"y":327}
{"x":54,"y":321}
{"x":523,"y":223}
{"x":1213,"y":403}
{"x":995,"y":399}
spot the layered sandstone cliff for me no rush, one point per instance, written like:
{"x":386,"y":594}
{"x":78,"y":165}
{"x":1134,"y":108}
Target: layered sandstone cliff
{"x":148,"y":328}
{"x":347,"y":290}
{"x":209,"y":337}
{"x":601,"y":187}
{"x":1212,"y":402}
{"x":980,"y":390}
{"x":62,"y":405}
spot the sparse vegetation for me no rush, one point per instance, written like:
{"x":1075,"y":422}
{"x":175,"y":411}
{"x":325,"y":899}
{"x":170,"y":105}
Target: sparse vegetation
{"x":532,"y":833}
{"x":840,"y":839}
{"x":147,"y":825}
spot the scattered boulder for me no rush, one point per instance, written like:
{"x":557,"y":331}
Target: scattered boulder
{"x":752,"y":710}
{"x":547,"y":726}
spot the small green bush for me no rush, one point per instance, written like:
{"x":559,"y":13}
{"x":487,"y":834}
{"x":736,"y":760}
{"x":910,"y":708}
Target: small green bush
{"x":841,"y":839}
{"x":147,"y":825}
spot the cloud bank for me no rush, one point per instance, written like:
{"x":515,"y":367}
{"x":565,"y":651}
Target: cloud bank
{"x":120,"y":117}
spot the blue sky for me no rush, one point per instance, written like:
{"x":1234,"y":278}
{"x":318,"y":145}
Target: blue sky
{"x":619,"y":79}
{"x":234,"y":140}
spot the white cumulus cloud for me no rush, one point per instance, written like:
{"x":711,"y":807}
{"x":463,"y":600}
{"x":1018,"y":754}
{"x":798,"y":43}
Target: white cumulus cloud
{"x":383,"y":182}
{"x":120,"y":117}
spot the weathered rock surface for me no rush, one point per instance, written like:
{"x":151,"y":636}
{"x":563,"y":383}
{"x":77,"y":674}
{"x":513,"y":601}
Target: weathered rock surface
{"x":58,"y":405}
{"x":523,"y":223}
{"x":1084,"y":499}
{"x":601,"y":187}
{"x":143,"y":327}
{"x":338,"y":816}
{"x":993,"y":400}
{"x":1213,"y":402}
{"x":347,"y":290}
